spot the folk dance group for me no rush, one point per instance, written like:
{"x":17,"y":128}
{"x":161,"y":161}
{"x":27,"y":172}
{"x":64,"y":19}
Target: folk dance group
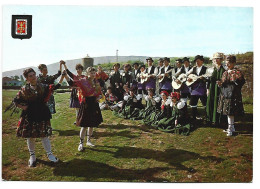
{"x":219,"y":91}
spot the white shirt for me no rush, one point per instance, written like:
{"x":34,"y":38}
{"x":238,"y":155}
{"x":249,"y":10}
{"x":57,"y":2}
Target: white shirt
{"x":186,"y":69}
{"x":165,"y":69}
{"x":149,"y":69}
{"x":198,"y":70}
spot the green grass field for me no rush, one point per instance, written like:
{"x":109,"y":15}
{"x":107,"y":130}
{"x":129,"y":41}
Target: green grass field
{"x":128,"y":151}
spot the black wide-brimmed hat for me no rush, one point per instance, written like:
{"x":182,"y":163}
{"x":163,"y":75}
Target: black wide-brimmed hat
{"x":199,"y":57}
{"x":142,"y":66}
{"x":185,"y":59}
{"x":179,"y":60}
{"x":167,"y":59}
{"x":160,"y":60}
{"x":136,"y":64}
{"x":149,"y":58}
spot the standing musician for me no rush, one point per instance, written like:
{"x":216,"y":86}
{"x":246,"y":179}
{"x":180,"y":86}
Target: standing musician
{"x":199,"y":87}
{"x":152,"y":73}
{"x":184,"y":90}
{"x":140,"y":84}
{"x":126,"y":75}
{"x":116,"y":82}
{"x":160,"y":65}
{"x":178,"y":67}
{"x":167,"y":70}
{"x":134,"y":74}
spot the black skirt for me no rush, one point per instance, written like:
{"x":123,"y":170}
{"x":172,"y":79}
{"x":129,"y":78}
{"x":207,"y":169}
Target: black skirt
{"x":89,"y":114}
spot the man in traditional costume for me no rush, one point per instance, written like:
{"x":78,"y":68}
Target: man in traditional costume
{"x":199,"y":87}
{"x":166,"y":72}
{"x":230,"y":98}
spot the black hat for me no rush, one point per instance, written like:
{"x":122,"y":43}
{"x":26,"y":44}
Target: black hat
{"x":149,"y":58}
{"x":142,"y":66}
{"x":167,"y":59}
{"x":160,"y":60}
{"x":136,"y":64}
{"x":179,"y":60}
{"x":116,"y":64}
{"x":231,"y":58}
{"x":185,"y":59}
{"x":199,"y":57}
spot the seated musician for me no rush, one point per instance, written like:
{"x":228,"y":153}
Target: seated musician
{"x":199,"y":87}
{"x":166,"y":73}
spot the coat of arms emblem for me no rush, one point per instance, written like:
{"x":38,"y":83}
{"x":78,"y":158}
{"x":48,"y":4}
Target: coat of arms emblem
{"x":22,"y":26}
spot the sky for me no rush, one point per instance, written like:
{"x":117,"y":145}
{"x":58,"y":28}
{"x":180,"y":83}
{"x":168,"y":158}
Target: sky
{"x":72,"y":32}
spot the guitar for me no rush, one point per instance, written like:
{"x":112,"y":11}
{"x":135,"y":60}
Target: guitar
{"x":194,"y":77}
{"x":145,"y":77}
{"x":162,"y":76}
{"x":182,"y":78}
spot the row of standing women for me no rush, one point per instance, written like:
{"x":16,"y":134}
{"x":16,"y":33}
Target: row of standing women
{"x":221,"y":93}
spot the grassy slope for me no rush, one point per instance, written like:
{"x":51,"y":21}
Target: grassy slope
{"x":129,"y":151}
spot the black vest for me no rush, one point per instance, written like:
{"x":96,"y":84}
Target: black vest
{"x":202,"y":71}
{"x":151,"y":71}
{"x":183,"y":69}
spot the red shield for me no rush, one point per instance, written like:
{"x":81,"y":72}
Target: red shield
{"x":21,"y":27}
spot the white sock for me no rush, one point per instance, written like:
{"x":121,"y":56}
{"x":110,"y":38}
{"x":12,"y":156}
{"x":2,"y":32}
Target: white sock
{"x":231,"y":120}
{"x":90,"y":132}
{"x":31,"y":147}
{"x":82,"y":134}
{"x":47,"y":145}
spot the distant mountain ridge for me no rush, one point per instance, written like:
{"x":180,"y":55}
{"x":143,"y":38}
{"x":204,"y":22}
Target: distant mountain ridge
{"x":54,"y":67}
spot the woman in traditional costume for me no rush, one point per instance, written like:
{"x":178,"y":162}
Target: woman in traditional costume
{"x":75,"y":96}
{"x":35,"y":118}
{"x":89,"y":115}
{"x":153,"y":103}
{"x":177,"y":119}
{"x":131,"y":106}
{"x":213,"y":91}
{"x":44,"y":78}
{"x":156,"y":115}
{"x":230,"y":99}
